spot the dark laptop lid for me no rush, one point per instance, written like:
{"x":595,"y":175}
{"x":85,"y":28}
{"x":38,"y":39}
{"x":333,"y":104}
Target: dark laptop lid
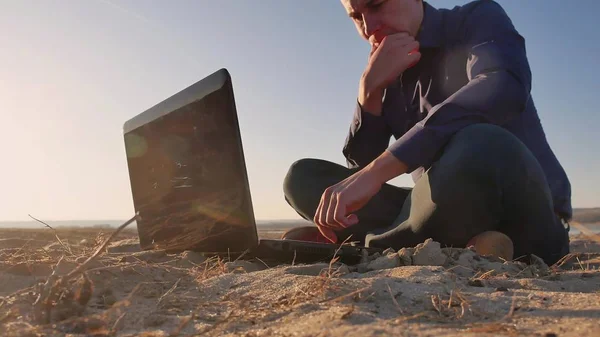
{"x":187,"y":171}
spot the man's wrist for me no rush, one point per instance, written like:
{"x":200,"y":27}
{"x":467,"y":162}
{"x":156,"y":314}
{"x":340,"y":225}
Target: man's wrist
{"x":370,"y":99}
{"x":385,"y":167}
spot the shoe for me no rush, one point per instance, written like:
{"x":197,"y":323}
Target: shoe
{"x":307,"y":233}
{"x":493,"y":243}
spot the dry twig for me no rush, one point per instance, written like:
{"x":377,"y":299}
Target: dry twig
{"x":446,"y":307}
{"x":184,"y":322}
{"x":396,"y":304}
{"x":511,"y":311}
{"x":115,"y":327}
{"x":407,"y":318}
{"x":586,"y":231}
{"x":68,"y":249}
{"x":348,"y":312}
{"x":82,"y":266}
{"x":339,"y":298}
{"x":51,"y":290}
{"x":168,"y":292}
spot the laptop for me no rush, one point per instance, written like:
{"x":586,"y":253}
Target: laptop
{"x":189,"y":181}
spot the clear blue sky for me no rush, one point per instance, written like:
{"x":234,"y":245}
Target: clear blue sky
{"x":71,"y":72}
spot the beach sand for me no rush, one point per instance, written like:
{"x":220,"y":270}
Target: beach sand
{"x":424,"y":291}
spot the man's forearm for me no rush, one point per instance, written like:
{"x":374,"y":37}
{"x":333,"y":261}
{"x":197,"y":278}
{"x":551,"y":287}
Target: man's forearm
{"x":370,"y":99}
{"x":386,"y":167}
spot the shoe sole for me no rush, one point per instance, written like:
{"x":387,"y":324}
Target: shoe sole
{"x":493,"y":243}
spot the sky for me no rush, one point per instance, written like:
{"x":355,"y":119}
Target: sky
{"x":72,"y":72}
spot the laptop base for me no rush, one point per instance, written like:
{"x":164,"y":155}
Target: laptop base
{"x":288,"y":251}
{"x":294,"y":252}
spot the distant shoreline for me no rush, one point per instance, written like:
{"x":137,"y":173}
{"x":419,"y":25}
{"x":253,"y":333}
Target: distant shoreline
{"x":589,"y":217}
{"x":264,"y":224}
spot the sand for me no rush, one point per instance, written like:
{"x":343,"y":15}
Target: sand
{"x":422,"y":291}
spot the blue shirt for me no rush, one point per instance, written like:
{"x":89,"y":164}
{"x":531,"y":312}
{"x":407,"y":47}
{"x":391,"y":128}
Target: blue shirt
{"x":473,"y":69}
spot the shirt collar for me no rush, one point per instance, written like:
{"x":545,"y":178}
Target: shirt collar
{"x":430,"y":33}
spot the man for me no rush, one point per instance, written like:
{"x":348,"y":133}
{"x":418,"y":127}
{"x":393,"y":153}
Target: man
{"x":453,"y":88}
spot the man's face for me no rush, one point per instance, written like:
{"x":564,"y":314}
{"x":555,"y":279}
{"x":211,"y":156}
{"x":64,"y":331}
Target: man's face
{"x":376,"y":19}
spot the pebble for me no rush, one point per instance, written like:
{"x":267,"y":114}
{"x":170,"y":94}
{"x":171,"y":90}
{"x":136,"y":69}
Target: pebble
{"x":428,"y":253}
{"x":540,"y":267}
{"x":405,"y":255}
{"x":389,"y":251}
{"x":498,"y":267}
{"x":465,"y":262}
{"x":385,"y":262}
{"x":343,"y":270}
{"x":362,"y":267}
{"x":452,"y":252}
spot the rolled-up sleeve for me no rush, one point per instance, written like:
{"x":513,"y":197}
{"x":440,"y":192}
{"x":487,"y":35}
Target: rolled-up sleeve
{"x":498,"y":89}
{"x":368,"y":137}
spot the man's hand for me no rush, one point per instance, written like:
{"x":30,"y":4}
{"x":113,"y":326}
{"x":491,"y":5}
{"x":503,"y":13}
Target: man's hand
{"x":395,"y":54}
{"x":338,"y":202}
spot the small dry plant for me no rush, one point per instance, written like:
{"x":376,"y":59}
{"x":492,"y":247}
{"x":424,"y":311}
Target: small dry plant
{"x":454,"y":305}
{"x":318,"y":288}
{"x":50,"y":293}
{"x":59,"y":300}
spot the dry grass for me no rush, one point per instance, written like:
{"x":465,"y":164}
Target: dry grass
{"x":57,"y":301}
{"x":60,"y":302}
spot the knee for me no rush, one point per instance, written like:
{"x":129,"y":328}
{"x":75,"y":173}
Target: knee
{"x":487,"y":139}
{"x":298,"y":176}
{"x":482,"y":148}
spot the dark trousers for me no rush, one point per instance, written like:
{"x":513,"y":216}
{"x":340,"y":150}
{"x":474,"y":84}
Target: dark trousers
{"x":485,"y":179}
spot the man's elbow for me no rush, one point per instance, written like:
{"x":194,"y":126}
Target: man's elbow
{"x":510,"y":92}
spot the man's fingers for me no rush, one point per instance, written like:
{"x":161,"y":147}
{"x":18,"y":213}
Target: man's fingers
{"x":321,"y":220}
{"x":329,"y":218}
{"x":413,"y":58}
{"x":328,"y":233}
{"x":320,"y":216}
{"x":412,"y":46}
{"x":336,"y":214}
{"x":400,"y":35}
{"x":323,"y":209}
{"x":317,"y":217}
{"x":339,"y":215}
{"x":352,"y":219}
{"x":398,"y":39}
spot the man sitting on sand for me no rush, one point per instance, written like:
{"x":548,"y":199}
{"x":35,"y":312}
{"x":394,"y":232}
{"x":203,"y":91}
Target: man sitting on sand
{"x":453,"y":88}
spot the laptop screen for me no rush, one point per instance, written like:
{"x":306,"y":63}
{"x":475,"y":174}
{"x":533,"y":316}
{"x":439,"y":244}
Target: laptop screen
{"x":188,"y":176}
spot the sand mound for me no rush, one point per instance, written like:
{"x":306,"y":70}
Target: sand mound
{"x":420,"y":291}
